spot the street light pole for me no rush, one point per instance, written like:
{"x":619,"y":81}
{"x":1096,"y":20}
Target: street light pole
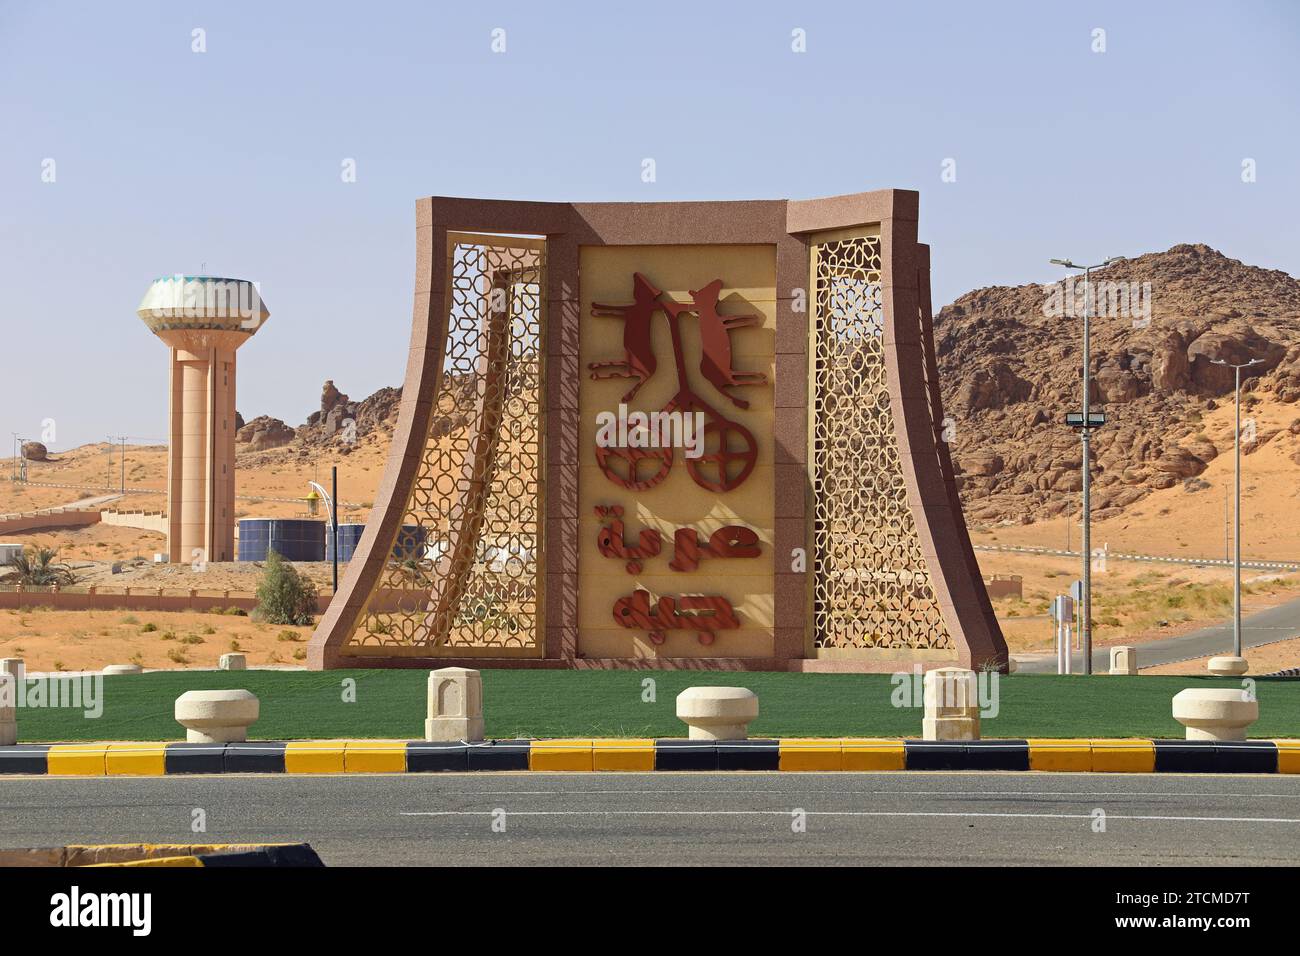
{"x":1085,"y":433}
{"x":1236,"y":511}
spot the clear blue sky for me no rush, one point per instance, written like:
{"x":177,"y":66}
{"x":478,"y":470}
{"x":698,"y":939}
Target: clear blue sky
{"x":167,"y":159}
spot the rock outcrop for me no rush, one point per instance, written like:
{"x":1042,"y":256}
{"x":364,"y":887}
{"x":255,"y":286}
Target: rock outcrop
{"x":1009,"y":362}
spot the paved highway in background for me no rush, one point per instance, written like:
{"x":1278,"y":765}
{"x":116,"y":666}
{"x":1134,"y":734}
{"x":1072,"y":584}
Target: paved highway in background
{"x":663,"y":818}
{"x":1279,"y":623}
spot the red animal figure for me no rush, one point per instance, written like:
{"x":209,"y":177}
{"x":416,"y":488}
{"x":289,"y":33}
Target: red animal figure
{"x":715,"y":336}
{"x":638,"y":354}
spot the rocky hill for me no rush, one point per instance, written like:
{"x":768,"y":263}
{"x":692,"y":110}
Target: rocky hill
{"x":339,"y":424}
{"x":1010,"y":366}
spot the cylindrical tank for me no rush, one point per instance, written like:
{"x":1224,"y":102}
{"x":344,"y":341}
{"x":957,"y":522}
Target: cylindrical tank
{"x":294,"y":539}
{"x":409,"y":543}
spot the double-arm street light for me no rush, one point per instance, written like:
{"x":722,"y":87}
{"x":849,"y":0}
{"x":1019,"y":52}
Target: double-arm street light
{"x":1236,"y":515}
{"x":1085,"y":426}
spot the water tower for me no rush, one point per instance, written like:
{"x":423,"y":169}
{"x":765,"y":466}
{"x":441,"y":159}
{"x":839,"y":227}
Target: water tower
{"x":203,"y":320}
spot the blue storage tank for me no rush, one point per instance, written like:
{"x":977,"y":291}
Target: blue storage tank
{"x":294,"y":539}
{"x":409,"y":543}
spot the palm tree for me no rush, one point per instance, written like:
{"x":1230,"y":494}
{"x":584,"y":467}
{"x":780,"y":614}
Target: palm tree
{"x":37,"y":567}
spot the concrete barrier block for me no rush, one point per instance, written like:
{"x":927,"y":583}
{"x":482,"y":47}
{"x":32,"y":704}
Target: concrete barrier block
{"x":115,"y":669}
{"x":1215,"y":713}
{"x":314,"y":756}
{"x":455,"y":705}
{"x":135,"y":760}
{"x":1227,"y":666}
{"x":1060,"y":755}
{"x":1123,"y":661}
{"x":811,"y":754}
{"x":952,"y":709}
{"x":628,"y":754}
{"x":565,"y":755}
{"x":77,"y":760}
{"x":216,"y":716}
{"x":873,"y":754}
{"x":717,"y":713}
{"x":1123,"y":756}
{"x":374,"y":756}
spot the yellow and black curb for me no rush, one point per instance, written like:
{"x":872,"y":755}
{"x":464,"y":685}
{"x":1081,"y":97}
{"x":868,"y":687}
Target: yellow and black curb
{"x":164,"y":855}
{"x":645,"y":754}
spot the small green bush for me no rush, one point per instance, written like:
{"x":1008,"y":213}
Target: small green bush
{"x":284,"y":596}
{"x":148,"y":628}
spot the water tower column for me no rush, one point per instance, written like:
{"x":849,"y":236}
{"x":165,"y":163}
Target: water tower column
{"x":190,"y":448}
{"x":203,"y":320}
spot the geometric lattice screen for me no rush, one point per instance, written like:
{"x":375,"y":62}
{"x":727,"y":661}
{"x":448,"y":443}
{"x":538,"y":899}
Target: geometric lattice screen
{"x":463,"y":577}
{"x":872,"y":585}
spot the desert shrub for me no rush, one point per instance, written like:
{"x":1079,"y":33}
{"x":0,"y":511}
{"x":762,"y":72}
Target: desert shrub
{"x":148,"y":627}
{"x":177,"y":655}
{"x":288,"y":636}
{"x":192,"y":639}
{"x":284,"y":596}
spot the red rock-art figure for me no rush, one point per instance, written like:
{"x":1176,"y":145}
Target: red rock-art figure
{"x":638,"y":361}
{"x":730,"y":450}
{"x":715,"y":336}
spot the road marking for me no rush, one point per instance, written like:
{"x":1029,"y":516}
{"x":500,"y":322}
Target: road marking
{"x":838,"y":813}
{"x":886,"y":793}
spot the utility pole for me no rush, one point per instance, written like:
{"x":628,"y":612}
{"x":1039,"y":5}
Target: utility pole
{"x":1085,"y":426}
{"x":334,"y":520}
{"x":1236,"y":522}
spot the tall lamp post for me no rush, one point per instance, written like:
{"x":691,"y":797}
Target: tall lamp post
{"x":333,"y":517}
{"x":1236,"y":512}
{"x":1085,"y":429}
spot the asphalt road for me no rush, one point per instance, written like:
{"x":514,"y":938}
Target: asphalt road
{"x":685,"y":818}
{"x":1265,"y":627}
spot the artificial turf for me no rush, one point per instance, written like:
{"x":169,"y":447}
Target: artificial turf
{"x":524,"y":703}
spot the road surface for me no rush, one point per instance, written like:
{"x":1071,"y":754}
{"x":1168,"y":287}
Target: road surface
{"x":1264,"y":627}
{"x":662,"y":818}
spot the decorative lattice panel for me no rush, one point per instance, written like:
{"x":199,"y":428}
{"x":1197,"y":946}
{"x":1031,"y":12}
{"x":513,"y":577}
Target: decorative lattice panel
{"x":873,"y":587}
{"x":463,"y":574}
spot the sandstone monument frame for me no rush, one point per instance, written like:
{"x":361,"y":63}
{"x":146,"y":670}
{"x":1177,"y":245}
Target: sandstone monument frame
{"x":856,"y":554}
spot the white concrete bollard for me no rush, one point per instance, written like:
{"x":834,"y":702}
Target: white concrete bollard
{"x":8,"y":710}
{"x":1124,"y":661}
{"x":1227,"y":666}
{"x":1221,"y":713}
{"x":455,"y":705}
{"x":952,"y":705}
{"x":112,"y":669}
{"x":717,"y":713}
{"x":232,"y":662}
{"x":216,"y":716}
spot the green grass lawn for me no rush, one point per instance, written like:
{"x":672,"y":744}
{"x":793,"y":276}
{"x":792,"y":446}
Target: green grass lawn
{"x":521,"y":703}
